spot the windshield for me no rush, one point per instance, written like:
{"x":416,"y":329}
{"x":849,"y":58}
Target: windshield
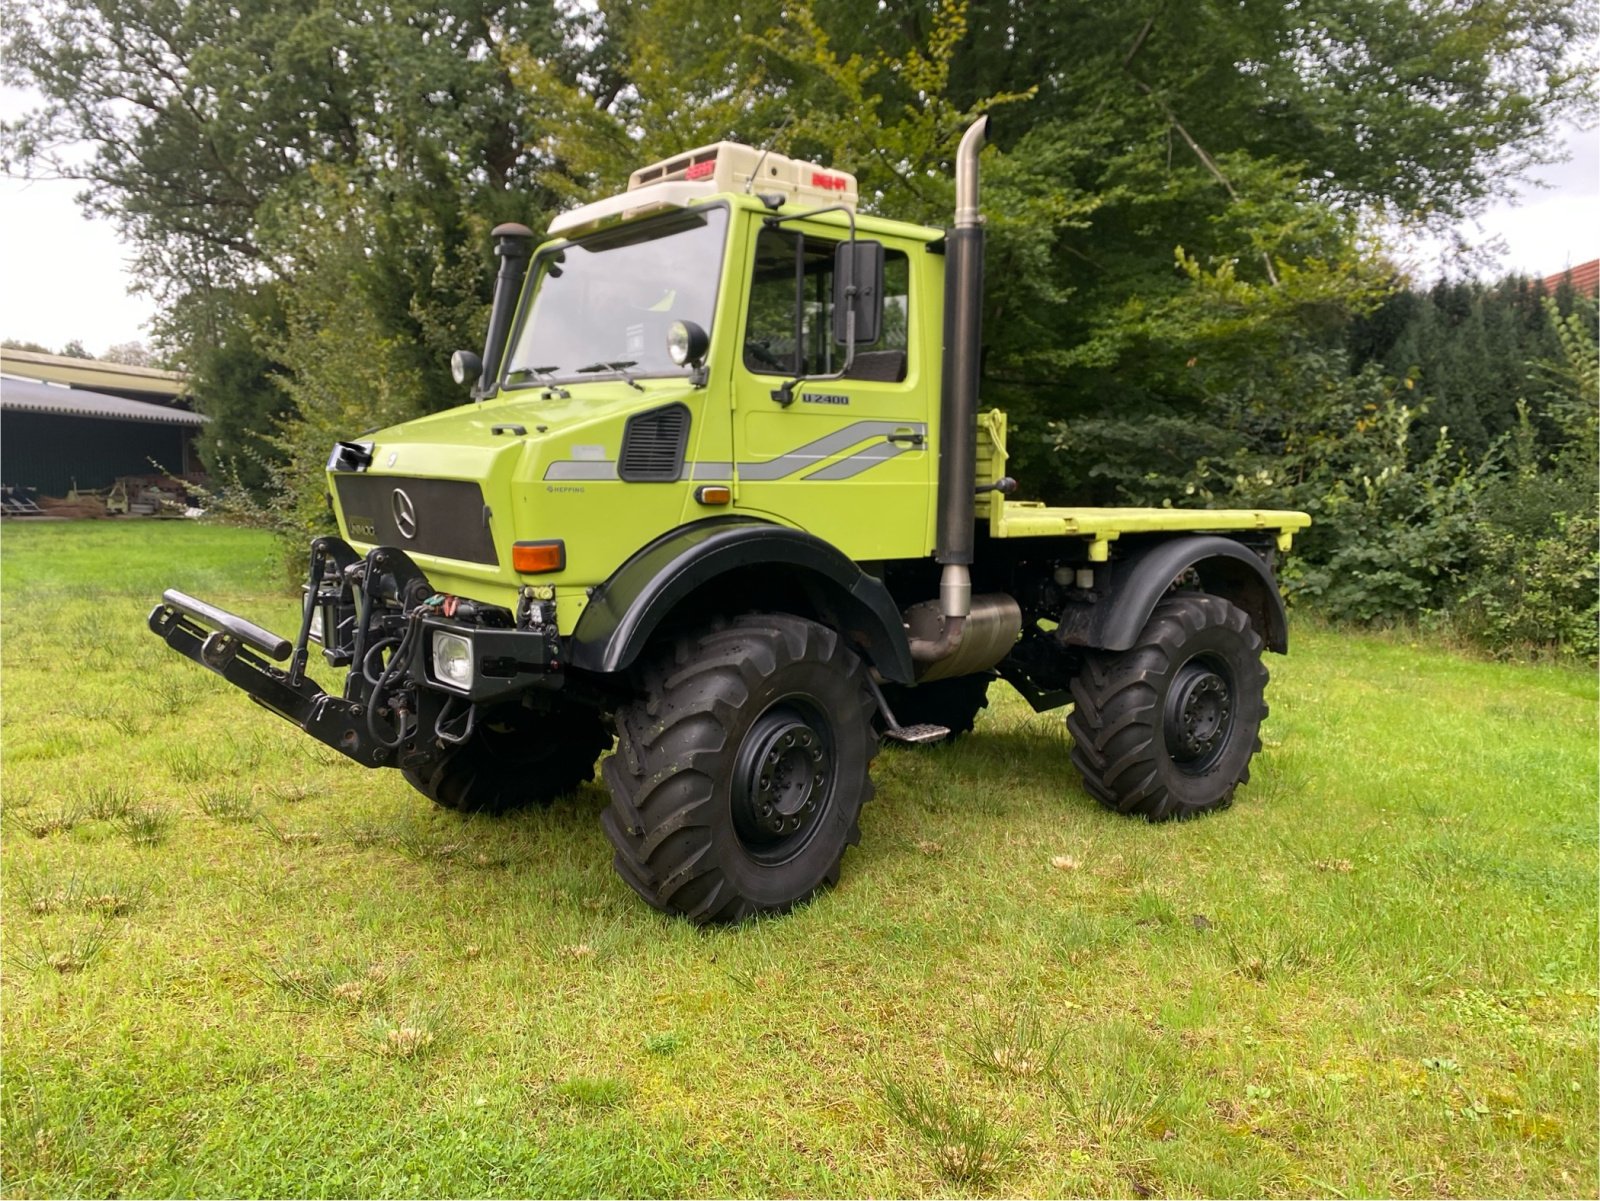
{"x":605,"y":303}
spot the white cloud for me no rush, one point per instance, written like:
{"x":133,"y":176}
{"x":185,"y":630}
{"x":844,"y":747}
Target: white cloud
{"x":1551,"y":223}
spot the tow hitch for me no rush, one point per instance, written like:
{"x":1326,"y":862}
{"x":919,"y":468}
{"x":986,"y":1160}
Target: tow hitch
{"x":378,"y":616}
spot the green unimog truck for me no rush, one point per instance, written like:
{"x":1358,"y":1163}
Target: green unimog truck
{"x":723,"y":493}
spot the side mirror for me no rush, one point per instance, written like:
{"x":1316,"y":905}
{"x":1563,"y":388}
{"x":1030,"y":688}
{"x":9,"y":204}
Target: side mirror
{"x":859,"y":264}
{"x":465,"y":367}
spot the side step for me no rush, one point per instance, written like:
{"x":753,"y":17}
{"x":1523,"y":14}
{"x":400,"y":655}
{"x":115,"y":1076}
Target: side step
{"x":917,"y":735}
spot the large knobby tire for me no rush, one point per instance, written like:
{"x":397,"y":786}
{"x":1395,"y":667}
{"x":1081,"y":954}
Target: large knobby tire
{"x":1167,"y":728}
{"x":741,"y":769}
{"x":516,"y":757}
{"x":954,"y":704}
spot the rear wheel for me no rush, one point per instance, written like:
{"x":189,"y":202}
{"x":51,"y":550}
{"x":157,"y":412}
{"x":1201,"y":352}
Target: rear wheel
{"x":741,"y":769}
{"x":1167,"y":729}
{"x":516,"y":757}
{"x":953,"y":704}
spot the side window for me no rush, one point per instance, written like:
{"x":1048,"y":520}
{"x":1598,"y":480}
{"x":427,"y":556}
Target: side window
{"x":790,"y":325}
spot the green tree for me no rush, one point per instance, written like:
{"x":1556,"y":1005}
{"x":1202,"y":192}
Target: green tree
{"x":1261,"y":139}
{"x":223,"y":136}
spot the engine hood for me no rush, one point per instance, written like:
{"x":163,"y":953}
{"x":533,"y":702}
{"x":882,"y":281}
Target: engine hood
{"x":461,"y":442}
{"x":455,"y":489}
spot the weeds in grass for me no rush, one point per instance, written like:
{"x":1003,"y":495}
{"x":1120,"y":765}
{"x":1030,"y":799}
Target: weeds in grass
{"x":362,"y":834}
{"x":66,"y":954}
{"x":1124,"y":1095}
{"x":145,"y":825}
{"x":320,"y":755}
{"x":1150,"y":908}
{"x":288,"y":794}
{"x":43,"y":821}
{"x":1274,"y":951}
{"x":227,"y":805}
{"x":107,"y":802}
{"x":592,"y":1092}
{"x":288,"y":838}
{"x":129,"y":725}
{"x":1451,"y":865}
{"x":171,"y":693}
{"x":47,"y":1127}
{"x":965,"y":1145}
{"x":91,"y":895}
{"x":1017,"y":1046}
{"x":667,"y":1042}
{"x":248,"y":754}
{"x":413,"y":1035}
{"x":420,"y":845}
{"x":191,"y":765}
{"x":340,"y":983}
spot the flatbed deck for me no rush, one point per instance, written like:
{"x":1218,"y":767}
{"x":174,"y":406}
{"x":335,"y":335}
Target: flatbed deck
{"x":1103,"y":526}
{"x":1033,"y":519}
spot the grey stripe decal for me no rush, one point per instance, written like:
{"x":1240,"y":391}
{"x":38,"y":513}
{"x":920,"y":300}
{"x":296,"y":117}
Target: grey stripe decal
{"x":782,"y":467}
{"x":823,"y":448}
{"x":582,"y":469}
{"x":862,"y":460}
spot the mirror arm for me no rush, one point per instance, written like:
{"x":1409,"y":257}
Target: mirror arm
{"x":783,"y":394}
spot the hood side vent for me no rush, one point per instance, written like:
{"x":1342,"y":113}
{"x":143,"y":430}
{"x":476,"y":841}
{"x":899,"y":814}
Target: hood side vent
{"x":653,"y":445}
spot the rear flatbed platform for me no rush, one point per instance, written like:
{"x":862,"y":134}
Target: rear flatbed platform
{"x":1033,"y":519}
{"x":1102,"y":527}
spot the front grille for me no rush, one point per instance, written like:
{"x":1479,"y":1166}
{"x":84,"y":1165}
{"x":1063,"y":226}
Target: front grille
{"x":653,"y":445}
{"x":446,"y":518}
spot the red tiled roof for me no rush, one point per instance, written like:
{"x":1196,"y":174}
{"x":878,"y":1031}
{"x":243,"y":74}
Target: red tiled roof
{"x":1585,"y":278}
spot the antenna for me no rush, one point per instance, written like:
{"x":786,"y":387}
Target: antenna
{"x":750,"y":183}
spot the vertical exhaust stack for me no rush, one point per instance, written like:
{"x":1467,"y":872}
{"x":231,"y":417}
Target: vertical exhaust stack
{"x":963,"y":319}
{"x":958,"y":403}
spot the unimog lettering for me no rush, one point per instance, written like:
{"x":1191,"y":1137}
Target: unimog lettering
{"x":752,"y":594}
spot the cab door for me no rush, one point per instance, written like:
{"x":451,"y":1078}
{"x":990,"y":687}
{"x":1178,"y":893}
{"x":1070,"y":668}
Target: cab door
{"x":848,"y":459}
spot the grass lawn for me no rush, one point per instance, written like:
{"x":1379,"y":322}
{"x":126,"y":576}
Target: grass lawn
{"x":236,"y":964}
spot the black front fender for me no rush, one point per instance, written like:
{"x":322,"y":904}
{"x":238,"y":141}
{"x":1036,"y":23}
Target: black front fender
{"x":650,"y":587}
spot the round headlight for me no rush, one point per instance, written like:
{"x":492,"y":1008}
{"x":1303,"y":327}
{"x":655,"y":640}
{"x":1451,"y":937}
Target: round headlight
{"x":686,"y":343}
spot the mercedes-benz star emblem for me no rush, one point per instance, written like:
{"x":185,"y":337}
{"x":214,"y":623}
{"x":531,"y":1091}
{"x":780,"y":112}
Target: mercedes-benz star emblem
{"x":405,"y":513}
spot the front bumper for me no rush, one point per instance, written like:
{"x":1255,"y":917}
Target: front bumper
{"x":394,"y":712}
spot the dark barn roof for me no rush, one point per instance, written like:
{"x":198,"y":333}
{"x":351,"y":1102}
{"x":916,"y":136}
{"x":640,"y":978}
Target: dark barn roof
{"x":31,"y":396}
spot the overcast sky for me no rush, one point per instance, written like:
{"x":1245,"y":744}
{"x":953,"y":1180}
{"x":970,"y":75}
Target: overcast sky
{"x":63,"y":276}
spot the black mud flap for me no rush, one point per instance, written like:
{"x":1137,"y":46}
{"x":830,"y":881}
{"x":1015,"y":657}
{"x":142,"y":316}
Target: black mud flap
{"x":238,"y":651}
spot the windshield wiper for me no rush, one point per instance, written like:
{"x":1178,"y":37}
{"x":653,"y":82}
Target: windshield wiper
{"x":620,"y":366}
{"x":544,"y":374}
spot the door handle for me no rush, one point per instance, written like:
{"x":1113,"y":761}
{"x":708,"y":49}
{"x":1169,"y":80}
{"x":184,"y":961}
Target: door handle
{"x":914,"y":439}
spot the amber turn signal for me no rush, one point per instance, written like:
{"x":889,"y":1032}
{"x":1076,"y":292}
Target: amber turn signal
{"x":713,"y":494}
{"x":531,"y":558}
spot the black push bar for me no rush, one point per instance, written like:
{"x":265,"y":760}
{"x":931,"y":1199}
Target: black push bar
{"x":274,"y":646}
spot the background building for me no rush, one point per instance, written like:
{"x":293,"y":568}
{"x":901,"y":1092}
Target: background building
{"x":66,"y":420}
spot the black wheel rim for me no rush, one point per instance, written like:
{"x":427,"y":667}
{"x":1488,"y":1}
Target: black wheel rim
{"x":783,"y":780}
{"x":1199,"y":714}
